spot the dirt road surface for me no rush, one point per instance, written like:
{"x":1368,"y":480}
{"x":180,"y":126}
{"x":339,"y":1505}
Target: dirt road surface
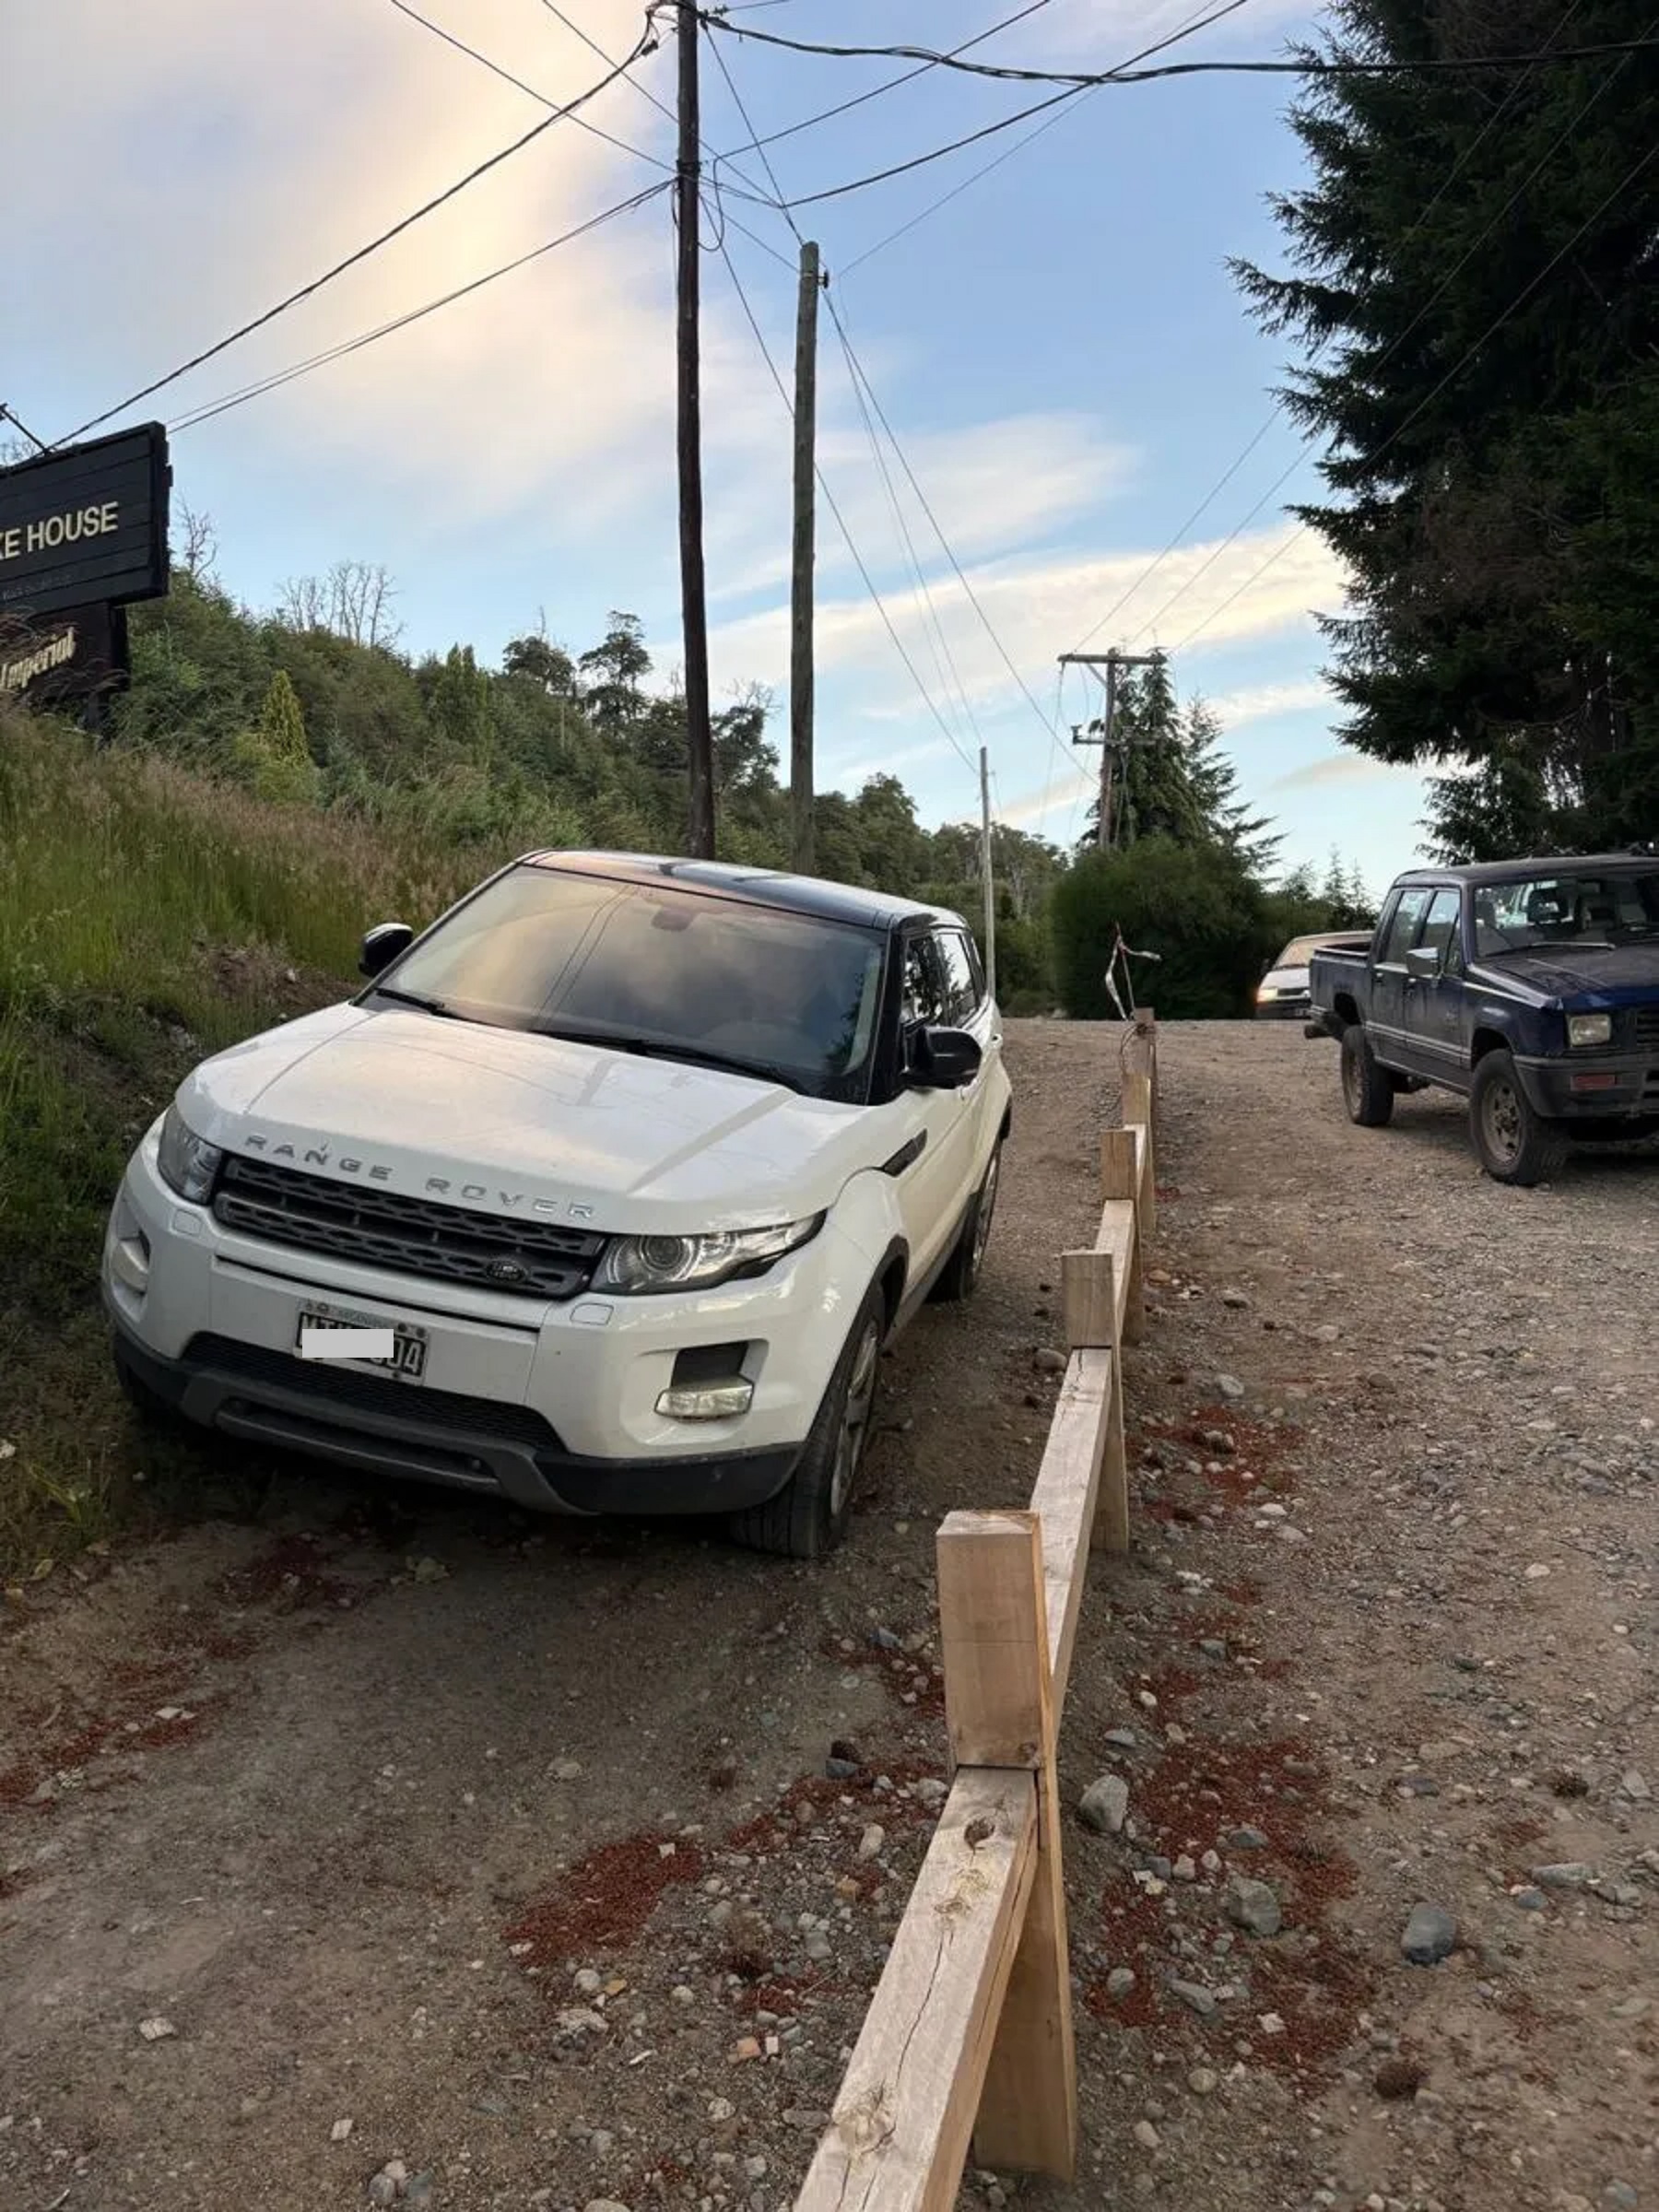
{"x":387,"y":1849}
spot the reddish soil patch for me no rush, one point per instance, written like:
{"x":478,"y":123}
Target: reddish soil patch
{"x":289,"y":1573}
{"x":604,"y":1902}
{"x":1319,"y":1994}
{"x":913,"y":1684}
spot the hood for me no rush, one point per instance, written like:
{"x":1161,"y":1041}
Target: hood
{"x":503,"y":1120}
{"x":1627,"y":975}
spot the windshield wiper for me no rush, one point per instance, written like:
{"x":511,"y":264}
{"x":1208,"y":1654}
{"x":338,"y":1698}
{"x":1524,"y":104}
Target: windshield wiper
{"x":418,"y":998}
{"x":668,"y":1048}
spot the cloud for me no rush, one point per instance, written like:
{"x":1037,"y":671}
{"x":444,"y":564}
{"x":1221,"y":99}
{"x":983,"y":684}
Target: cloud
{"x":1262,"y":586}
{"x":1338,"y":770}
{"x":1233,"y":708}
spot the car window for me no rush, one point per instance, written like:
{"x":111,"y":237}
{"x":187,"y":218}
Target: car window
{"x":977,"y":967}
{"x":925,"y":990}
{"x":1582,"y":908}
{"x":961,"y":993}
{"x":1440,"y":926}
{"x":666,"y":968}
{"x":1407,"y":916}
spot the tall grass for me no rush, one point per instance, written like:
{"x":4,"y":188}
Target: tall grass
{"x":146,"y":916}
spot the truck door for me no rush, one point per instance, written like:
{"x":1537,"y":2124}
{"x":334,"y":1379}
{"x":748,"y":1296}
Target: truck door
{"x":1435,"y":1004}
{"x":1386,"y":1024}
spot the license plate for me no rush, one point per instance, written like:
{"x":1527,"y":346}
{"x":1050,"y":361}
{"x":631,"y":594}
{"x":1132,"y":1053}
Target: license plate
{"x":407,"y":1357}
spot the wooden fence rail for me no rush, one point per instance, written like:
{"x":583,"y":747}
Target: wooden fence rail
{"x":969,"y":2035}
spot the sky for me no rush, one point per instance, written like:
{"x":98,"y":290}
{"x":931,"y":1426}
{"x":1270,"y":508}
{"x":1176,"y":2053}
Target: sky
{"x":1059,"y":349}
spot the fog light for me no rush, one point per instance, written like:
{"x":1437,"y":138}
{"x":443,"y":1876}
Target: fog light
{"x":129,"y":1261}
{"x":707,"y":1401}
{"x":1595,"y":1082}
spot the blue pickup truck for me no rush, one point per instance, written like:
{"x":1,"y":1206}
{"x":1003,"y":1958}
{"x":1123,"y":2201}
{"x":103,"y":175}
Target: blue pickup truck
{"x":1531,"y":987}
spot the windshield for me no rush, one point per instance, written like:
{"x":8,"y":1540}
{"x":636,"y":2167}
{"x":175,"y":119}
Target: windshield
{"x":1580,"y":907}
{"x":656,"y":968}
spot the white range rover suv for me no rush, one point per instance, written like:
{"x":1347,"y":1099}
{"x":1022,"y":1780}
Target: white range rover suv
{"x":632,"y":1165}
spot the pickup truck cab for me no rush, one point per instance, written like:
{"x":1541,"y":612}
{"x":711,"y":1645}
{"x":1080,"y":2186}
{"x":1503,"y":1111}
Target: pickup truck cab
{"x":603,"y":1197}
{"x":1529,"y":986}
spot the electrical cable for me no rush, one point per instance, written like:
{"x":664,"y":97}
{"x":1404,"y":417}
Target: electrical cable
{"x":1199,"y":20}
{"x":223,"y":404}
{"x":1285,"y":475}
{"x":899,"y":645}
{"x":507,"y":77}
{"x":646,"y":44}
{"x":860,"y":374}
{"x":1079,"y":78}
{"x":1428,"y":398}
{"x":842,"y":107}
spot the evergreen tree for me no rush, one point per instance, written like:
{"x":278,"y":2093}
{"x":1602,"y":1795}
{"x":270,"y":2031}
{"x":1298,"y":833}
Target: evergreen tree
{"x":1473,"y":277}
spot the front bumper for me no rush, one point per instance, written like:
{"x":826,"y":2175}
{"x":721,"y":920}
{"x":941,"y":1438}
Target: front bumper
{"x":368,"y":1421}
{"x":552,"y":1405}
{"x":1283,"y":1009}
{"x":1591,"y":1087}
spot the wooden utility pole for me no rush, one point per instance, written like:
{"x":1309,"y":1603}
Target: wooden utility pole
{"x":800,"y":592}
{"x":1112,"y":662}
{"x":699,"y":843}
{"x":988,"y":871}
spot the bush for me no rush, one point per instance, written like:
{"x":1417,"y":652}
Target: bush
{"x":1195,"y":906}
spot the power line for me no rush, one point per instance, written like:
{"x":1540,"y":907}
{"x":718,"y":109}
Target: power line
{"x":1199,"y":20}
{"x":990,"y":130}
{"x":1079,"y":78}
{"x":507,"y":77}
{"x":899,"y":645}
{"x":842,"y":107}
{"x":348,"y":345}
{"x":1390,"y":350}
{"x":1428,"y":398}
{"x":647,"y":43}
{"x":860,"y":374}
{"x":1465,"y":158}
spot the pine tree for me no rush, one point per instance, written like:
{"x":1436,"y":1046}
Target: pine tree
{"x":1473,"y":277}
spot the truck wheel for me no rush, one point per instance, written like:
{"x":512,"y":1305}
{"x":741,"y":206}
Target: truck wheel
{"x":808,"y":1517}
{"x":960,"y":1274}
{"x":1366,"y":1087}
{"x":1511,"y":1143}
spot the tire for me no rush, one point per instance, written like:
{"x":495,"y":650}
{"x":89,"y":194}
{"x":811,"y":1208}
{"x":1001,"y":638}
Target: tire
{"x":808,"y":1517}
{"x":1512,"y":1141}
{"x":1368,"y":1088}
{"x":959,"y":1276}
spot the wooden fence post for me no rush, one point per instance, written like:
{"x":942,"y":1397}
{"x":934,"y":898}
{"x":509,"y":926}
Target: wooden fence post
{"x":999,"y":1709}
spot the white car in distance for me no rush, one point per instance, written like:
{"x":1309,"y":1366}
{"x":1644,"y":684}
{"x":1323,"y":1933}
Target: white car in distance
{"x":603,"y":1197}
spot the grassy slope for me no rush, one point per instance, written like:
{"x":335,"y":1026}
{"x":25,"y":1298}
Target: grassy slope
{"x":146,"y":919}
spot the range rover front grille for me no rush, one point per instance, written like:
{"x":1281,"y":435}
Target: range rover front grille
{"x":411,"y":1236}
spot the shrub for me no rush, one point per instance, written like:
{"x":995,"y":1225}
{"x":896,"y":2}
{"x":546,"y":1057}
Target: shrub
{"x":1195,"y":906}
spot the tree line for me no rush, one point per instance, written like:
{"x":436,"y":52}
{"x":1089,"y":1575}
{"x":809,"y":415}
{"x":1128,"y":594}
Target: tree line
{"x":314,"y":703}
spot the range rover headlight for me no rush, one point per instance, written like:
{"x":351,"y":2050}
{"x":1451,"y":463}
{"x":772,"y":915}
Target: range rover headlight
{"x":1589,"y":1029}
{"x":188,"y":1163}
{"x":636,"y":1265}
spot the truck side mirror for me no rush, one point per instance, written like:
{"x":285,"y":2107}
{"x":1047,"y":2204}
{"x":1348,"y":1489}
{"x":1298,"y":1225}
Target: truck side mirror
{"x":1423,"y":963}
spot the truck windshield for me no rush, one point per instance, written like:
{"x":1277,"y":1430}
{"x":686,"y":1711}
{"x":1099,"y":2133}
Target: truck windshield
{"x":1579,"y":907}
{"x":659,"y":968}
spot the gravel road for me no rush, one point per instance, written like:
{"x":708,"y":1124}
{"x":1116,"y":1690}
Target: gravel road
{"x":387,"y":1849}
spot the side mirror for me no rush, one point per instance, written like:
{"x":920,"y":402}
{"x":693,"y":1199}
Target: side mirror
{"x":382,"y":944}
{"x":1423,"y":963}
{"x":944,"y":1059}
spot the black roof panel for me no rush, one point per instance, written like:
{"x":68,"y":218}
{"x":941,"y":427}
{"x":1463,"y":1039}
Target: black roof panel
{"x":758,"y":886}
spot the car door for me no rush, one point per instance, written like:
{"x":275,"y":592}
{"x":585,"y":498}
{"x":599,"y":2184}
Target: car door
{"x":930,"y":1180}
{"x":1435,"y":1004}
{"x":971,"y":1008}
{"x":1386,"y":1023}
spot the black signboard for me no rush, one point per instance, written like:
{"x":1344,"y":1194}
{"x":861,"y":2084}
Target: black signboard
{"x":70,"y":662}
{"x":87,"y":526}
